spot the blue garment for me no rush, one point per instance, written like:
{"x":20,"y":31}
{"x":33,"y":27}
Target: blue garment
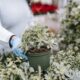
{"x":16,"y":48}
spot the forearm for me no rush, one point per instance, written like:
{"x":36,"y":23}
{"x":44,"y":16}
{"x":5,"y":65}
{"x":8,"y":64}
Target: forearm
{"x":4,"y":34}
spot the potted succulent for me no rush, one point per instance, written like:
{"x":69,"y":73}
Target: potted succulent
{"x":38,"y":42}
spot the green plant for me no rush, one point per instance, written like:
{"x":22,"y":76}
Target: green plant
{"x":71,"y":34}
{"x":72,"y":27}
{"x":11,"y":68}
{"x":38,"y":38}
{"x":65,"y":65}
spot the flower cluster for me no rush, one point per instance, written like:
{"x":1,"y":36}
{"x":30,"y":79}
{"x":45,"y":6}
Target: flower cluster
{"x":38,"y":37}
{"x":71,"y":33}
{"x":73,"y":14}
{"x":65,"y":65}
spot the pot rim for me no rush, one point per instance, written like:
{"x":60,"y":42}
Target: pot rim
{"x":39,"y":54}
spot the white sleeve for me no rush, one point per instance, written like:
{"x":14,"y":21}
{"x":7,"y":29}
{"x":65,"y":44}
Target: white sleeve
{"x":4,"y":34}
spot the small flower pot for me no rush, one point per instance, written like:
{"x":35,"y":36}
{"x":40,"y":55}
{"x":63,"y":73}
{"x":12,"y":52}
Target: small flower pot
{"x":39,"y":59}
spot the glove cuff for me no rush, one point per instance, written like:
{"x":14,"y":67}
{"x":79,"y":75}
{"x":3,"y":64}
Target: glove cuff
{"x":10,"y":45}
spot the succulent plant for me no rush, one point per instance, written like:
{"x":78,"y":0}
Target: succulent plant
{"x":72,"y":27}
{"x":38,"y":38}
{"x":10,"y":68}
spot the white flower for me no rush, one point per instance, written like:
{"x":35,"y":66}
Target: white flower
{"x":56,"y":64}
{"x":78,"y":7}
{"x":76,"y":48}
{"x":31,"y":69}
{"x":77,"y":40}
{"x":52,"y":41}
{"x":74,"y":11}
{"x":47,"y":77}
{"x":63,"y":70}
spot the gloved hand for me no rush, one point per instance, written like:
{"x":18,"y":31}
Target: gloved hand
{"x":14,"y":43}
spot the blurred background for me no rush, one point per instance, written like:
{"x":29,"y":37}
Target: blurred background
{"x":49,"y":12}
